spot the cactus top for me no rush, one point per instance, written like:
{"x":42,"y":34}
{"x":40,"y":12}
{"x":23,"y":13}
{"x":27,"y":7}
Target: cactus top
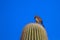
{"x":35,"y":25}
{"x":34,"y":31}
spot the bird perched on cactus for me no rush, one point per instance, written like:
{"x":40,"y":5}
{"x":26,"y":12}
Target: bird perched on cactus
{"x":34,"y":31}
{"x":38,"y":20}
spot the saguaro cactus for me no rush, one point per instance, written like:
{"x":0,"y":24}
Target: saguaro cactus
{"x":34,"y":31}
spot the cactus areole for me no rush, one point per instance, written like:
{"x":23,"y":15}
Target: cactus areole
{"x":34,"y":31}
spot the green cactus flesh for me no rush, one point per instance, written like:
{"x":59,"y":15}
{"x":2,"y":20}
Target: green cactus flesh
{"x":34,"y":32}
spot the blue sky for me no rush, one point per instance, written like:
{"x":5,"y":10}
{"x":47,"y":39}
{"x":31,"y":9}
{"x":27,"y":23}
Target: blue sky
{"x":15,"y":14}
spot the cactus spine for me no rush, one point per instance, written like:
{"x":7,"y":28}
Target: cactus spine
{"x":34,"y":31}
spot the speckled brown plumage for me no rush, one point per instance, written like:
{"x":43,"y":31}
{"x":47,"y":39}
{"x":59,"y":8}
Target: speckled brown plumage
{"x":38,"y":19}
